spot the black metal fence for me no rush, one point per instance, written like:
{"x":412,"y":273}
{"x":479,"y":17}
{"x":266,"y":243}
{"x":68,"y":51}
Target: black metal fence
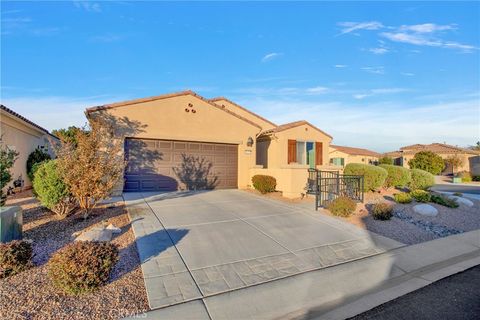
{"x":329,"y":185}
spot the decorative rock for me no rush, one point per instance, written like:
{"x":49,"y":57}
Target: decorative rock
{"x":96,"y":234}
{"x":114,"y":229}
{"x":425,"y":210}
{"x":461,"y":200}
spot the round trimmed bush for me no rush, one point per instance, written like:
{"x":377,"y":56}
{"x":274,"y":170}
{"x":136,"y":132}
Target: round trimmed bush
{"x":82,"y":266}
{"x":385,"y":160}
{"x":342,"y":207}
{"x":15,"y":257}
{"x":420,"y":195}
{"x":402,"y":197}
{"x":264,"y":183}
{"x":396,"y":176}
{"x":428,"y":161}
{"x":37,"y":156}
{"x":421,"y":179}
{"x":382,"y":211}
{"x":50,"y":189}
{"x":373,"y":177}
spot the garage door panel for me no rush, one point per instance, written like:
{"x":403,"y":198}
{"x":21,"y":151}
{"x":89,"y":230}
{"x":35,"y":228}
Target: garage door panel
{"x":215,"y":165}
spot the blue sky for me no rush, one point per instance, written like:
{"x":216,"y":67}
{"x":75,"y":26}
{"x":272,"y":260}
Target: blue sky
{"x":376,"y":74}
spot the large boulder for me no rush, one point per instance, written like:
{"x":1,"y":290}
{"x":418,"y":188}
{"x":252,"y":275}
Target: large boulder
{"x":425,"y":210}
{"x":96,"y":234}
{"x":460,"y":200}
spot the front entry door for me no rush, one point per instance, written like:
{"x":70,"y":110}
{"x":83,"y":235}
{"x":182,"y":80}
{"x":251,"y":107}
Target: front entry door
{"x":311,"y":154}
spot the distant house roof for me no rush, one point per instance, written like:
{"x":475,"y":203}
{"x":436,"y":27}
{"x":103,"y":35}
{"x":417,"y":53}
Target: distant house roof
{"x":291,"y":125}
{"x":433,"y":147}
{"x":22,"y":118}
{"x":217,"y":99}
{"x":356,"y":151}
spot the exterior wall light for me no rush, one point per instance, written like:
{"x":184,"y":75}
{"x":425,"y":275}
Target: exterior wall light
{"x":250,"y":141}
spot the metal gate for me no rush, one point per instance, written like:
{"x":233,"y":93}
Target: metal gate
{"x":329,"y":185}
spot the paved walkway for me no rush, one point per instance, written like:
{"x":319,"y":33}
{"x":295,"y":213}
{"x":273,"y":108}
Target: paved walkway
{"x":198,"y":245}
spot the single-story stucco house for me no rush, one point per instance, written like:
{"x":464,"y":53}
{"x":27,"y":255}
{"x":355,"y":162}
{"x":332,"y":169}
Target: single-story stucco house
{"x":341,"y":155}
{"x":471,"y":158}
{"x":24,"y":136}
{"x":185,"y":141}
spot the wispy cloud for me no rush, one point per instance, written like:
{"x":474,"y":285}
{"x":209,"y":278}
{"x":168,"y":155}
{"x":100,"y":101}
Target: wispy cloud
{"x":426,"y":27}
{"x":407,"y":74}
{"x":271,"y":56}
{"x":422,"y":40}
{"x":317,"y":90}
{"x":380,"y":91}
{"x":340,"y":66}
{"x":88,"y":6}
{"x":379,"y":50}
{"x":355,"y":26}
{"x":374,"y":70}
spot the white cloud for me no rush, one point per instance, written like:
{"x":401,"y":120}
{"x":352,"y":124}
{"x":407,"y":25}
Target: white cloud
{"x":422,"y":40}
{"x":380,"y":50}
{"x":317,"y":90}
{"x":374,"y":92}
{"x":88,"y":6}
{"x":271,"y":56}
{"x":354,"y":26}
{"x":426,"y":27}
{"x":374,"y":70}
{"x":340,"y":66}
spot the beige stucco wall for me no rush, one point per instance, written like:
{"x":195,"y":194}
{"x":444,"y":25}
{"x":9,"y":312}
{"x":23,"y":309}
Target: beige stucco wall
{"x":291,"y":179}
{"x":242,"y":112}
{"x":167,"y":119}
{"x":24,"y":138}
{"x":351,"y":158}
{"x":448,"y":169}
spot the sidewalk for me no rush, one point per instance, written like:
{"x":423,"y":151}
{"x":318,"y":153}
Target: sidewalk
{"x":341,"y":291}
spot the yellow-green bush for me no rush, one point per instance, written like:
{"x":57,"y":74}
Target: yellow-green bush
{"x":264,"y":183}
{"x":402,"y":197}
{"x":420,"y":195}
{"x":342,"y":207}
{"x":382,"y":211}
{"x":396,"y":176}
{"x":421,"y":179}
{"x":373,"y":177}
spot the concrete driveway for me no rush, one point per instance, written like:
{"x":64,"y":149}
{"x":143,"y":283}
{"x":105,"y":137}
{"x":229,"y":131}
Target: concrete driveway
{"x":194,"y":245}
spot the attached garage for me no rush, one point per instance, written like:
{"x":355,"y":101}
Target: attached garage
{"x":167,"y":165}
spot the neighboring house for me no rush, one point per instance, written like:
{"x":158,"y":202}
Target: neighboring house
{"x":341,"y":155}
{"x":184,"y":141}
{"x":471,"y":158}
{"x":22,"y":135}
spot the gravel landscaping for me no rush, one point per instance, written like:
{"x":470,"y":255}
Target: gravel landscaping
{"x":409,"y":227}
{"x":30,"y":294}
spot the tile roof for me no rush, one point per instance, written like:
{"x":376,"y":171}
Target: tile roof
{"x":13,"y":113}
{"x":291,"y":125}
{"x":435,"y":148}
{"x":356,"y":151}
{"x":165,"y":96}
{"x":215,"y":100}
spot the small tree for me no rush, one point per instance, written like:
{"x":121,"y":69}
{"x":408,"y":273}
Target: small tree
{"x":385,"y":160}
{"x":37,"y":156}
{"x":93,"y":166}
{"x":428,"y":161}
{"x":455,"y":161}
{"x":476,"y":147}
{"x":7,"y":159}
{"x":68,"y":135}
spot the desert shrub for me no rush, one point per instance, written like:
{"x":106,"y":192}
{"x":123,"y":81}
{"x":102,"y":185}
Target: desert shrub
{"x":444,"y":201}
{"x":382,"y":211}
{"x":476,"y":178}
{"x":396,"y":176}
{"x":402,"y":197}
{"x":458,"y":194}
{"x":421,"y":179}
{"x":82,"y":266}
{"x":420,"y":195}
{"x":264,"y":183}
{"x":428,"y":161}
{"x":373,"y":176}
{"x":37,"y":156}
{"x":385,"y":160}
{"x":50,"y":189}
{"x":342,"y":207}
{"x":7,"y":159}
{"x":15,"y":257}
{"x":465,"y":175}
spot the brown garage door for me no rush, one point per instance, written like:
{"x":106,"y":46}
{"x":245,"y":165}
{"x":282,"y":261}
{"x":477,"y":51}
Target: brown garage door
{"x":165,"y":165}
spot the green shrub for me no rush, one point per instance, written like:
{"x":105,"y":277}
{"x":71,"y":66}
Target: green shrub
{"x":342,"y":207}
{"x":458,"y":194}
{"x":15,"y":257}
{"x":264,"y":183}
{"x":385,"y":160}
{"x":37,"y":156}
{"x":402,"y":197}
{"x":382,"y":211}
{"x":444,"y":201}
{"x":465,"y":175}
{"x":373,"y":177}
{"x":420,"y":195}
{"x":7,"y":160}
{"x":421,"y":179}
{"x":82,"y":266}
{"x":476,"y":178}
{"x":396,"y":176}
{"x":51,"y":190}
{"x":428,"y":161}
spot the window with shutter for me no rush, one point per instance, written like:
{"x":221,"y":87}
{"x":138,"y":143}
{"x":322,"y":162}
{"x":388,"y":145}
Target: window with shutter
{"x":319,"y":153}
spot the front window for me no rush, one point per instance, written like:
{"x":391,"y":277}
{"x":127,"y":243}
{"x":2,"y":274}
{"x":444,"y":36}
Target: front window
{"x":301,"y":153}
